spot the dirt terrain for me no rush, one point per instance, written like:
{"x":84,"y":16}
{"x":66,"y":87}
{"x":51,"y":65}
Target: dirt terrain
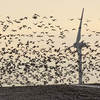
{"x":51,"y":92}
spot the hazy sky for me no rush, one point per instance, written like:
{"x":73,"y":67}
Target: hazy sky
{"x":61,"y":8}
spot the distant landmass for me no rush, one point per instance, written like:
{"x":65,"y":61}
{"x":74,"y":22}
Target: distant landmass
{"x":51,"y":92}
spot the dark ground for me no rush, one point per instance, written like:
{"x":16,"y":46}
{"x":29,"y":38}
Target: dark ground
{"x":51,"y":92}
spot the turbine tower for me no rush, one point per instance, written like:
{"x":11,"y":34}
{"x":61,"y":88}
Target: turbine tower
{"x":79,"y":45}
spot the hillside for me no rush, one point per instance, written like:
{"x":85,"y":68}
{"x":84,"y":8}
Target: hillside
{"x":51,"y":92}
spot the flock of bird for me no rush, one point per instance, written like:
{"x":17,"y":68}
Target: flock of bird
{"x":34,"y":51}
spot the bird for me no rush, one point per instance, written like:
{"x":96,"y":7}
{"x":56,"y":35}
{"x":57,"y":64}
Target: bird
{"x":16,"y":21}
{"x":85,"y":24}
{"x":71,"y":19}
{"x":42,"y":55}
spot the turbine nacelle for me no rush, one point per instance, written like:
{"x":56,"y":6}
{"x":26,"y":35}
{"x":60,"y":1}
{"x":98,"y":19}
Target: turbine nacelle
{"x":80,"y":45}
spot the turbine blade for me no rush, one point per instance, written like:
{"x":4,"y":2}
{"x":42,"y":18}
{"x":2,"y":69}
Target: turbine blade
{"x":79,"y":29}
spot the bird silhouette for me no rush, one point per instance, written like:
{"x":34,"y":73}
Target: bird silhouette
{"x":42,"y":55}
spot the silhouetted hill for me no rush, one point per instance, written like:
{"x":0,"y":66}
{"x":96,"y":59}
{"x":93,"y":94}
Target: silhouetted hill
{"x":51,"y":92}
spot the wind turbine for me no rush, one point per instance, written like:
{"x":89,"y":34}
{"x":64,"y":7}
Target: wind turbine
{"x":79,"y":45}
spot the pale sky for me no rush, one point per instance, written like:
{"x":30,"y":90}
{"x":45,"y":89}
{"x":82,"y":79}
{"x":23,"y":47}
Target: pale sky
{"x":61,"y":8}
